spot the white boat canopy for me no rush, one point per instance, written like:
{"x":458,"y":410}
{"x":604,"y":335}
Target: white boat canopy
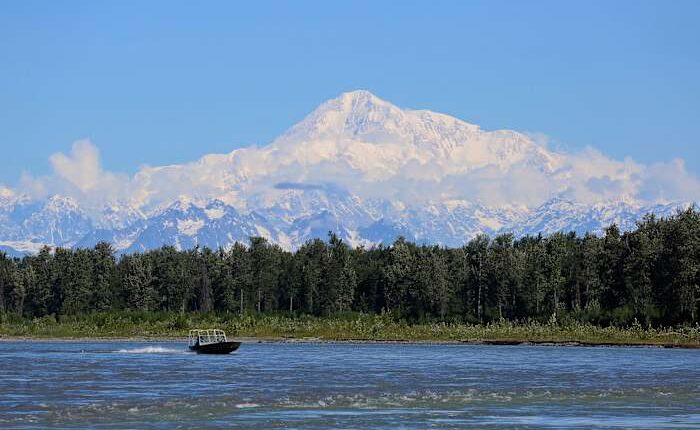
{"x":205,"y":337}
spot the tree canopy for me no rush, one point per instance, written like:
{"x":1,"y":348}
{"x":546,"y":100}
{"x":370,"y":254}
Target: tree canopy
{"x":651,"y":275}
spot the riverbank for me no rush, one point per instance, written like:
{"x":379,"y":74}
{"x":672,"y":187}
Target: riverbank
{"x":350,"y":328}
{"x":500,"y":342}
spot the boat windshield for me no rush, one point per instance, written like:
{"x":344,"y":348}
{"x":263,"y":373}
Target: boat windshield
{"x":204,"y":337}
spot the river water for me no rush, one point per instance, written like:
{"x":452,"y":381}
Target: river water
{"x":361,"y":386}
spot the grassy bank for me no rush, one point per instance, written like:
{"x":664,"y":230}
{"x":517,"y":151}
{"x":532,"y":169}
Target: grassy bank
{"x":357,"y":327}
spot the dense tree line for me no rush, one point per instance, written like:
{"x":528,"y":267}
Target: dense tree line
{"x":651,"y":274}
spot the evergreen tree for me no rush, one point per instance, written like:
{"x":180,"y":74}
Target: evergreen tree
{"x":684,"y":261}
{"x":39,"y":274}
{"x":613,"y":292}
{"x":441,"y":289}
{"x":478,"y":252}
{"x":370,"y":291}
{"x":137,"y":283}
{"x":503,"y":277}
{"x":341,"y":279}
{"x":205,"y":260}
{"x":11,"y":287}
{"x":639,"y":266}
{"x":399,"y":274}
{"x":241,"y":288}
{"x":103,"y":276}
{"x":590,"y":269}
{"x":265,"y":267}
{"x":173,"y":277}
{"x":309,"y":278}
{"x":651,"y":274}
{"x":76,"y":284}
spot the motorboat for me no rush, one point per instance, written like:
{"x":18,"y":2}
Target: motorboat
{"x":211,"y":341}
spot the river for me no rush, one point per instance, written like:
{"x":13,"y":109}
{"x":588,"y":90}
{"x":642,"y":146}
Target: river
{"x":159,"y":385}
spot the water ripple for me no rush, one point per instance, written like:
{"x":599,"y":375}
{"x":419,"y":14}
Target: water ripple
{"x":138,"y":385}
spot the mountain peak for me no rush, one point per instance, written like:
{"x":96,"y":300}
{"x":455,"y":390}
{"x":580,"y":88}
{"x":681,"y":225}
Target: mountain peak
{"x":360,"y":113}
{"x":352,"y":162}
{"x":360,"y":103}
{"x":355,"y":98}
{"x":351,"y":113}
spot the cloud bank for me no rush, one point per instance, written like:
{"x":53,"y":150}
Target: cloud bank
{"x":374,"y":150}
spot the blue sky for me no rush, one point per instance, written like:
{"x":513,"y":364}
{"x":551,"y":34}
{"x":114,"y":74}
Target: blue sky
{"x":166,"y":82}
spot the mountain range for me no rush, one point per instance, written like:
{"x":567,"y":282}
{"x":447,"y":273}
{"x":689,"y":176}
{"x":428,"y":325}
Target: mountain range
{"x":357,"y":165}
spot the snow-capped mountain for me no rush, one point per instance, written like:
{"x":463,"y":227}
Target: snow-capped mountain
{"x":25,"y":226}
{"x":560,"y":214}
{"x":358,"y":166}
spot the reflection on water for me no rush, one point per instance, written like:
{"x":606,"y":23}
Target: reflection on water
{"x":162,"y":385}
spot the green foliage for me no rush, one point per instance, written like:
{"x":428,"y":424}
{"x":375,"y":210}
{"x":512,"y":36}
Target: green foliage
{"x":341,"y":327}
{"x":649,"y":277}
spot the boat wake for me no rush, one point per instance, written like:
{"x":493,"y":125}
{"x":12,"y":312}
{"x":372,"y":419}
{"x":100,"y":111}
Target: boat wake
{"x":152,"y":350}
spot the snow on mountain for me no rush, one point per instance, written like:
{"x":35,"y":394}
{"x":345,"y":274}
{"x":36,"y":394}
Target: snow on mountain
{"x":19,"y":249}
{"x":565,"y":215}
{"x":368,"y":139}
{"x":358,"y":166}
{"x":60,"y":221}
{"x":185,"y":225}
{"x":118,"y":215}
{"x":26,"y":226}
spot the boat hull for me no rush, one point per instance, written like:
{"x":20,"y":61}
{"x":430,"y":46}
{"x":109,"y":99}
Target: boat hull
{"x":216,"y":348}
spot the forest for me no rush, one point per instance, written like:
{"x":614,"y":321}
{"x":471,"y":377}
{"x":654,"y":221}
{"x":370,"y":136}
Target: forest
{"x":649,"y":276}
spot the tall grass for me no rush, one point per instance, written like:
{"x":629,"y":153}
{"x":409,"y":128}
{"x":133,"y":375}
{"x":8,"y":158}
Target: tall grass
{"x":341,"y":327}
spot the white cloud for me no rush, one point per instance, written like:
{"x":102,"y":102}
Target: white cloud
{"x":668,"y":182}
{"x":587,"y":177}
{"x":78,"y":174}
{"x":418,"y":157}
{"x":81,"y":168}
